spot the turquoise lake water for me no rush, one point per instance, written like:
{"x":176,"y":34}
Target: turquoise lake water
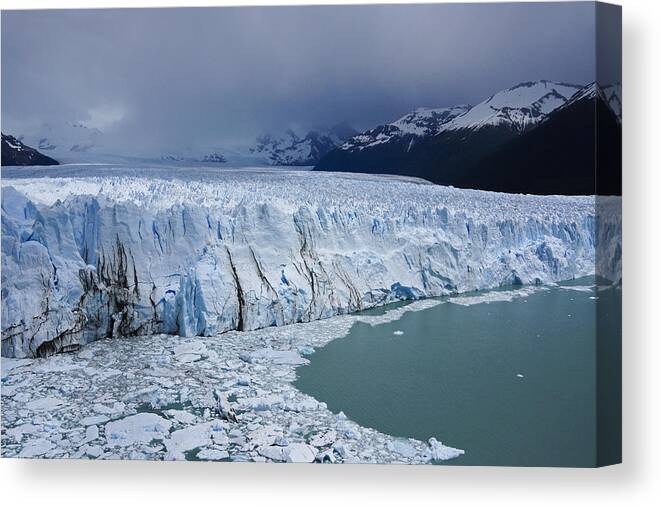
{"x":511,"y":383}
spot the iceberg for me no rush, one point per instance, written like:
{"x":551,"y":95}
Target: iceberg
{"x":92,"y":252}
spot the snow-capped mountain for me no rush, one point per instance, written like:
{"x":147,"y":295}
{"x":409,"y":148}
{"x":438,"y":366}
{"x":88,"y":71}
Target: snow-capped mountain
{"x":64,"y":139}
{"x":213,"y":158}
{"x":419,"y":123}
{"x":561,"y":154}
{"x":516,"y":108}
{"x":294,"y":150}
{"x":14,"y":152}
{"x":210,"y":158}
{"x":452,"y":149}
{"x":613,"y":94}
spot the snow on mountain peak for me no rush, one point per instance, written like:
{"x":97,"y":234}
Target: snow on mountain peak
{"x":421,"y":122}
{"x":64,"y":138}
{"x":609,"y":94}
{"x":292,"y":149}
{"x":518,"y":107}
{"x":613,"y":94}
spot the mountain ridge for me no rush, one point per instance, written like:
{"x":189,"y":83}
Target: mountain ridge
{"x":455,"y":153}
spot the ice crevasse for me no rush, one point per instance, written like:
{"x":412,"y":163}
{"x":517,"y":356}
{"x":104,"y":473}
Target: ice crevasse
{"x":107,"y":256}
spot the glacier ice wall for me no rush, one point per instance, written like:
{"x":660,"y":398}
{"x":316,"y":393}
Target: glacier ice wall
{"x":131,"y":254}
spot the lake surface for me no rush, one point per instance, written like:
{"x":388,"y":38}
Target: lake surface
{"x":510,"y":382}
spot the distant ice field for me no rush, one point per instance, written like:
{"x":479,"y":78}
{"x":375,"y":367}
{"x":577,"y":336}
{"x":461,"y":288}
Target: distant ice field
{"x":165,"y":186}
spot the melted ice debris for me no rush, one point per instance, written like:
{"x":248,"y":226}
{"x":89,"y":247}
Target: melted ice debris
{"x":495,"y":296}
{"x":190,"y":352}
{"x":579,"y":288}
{"x":9,"y":364}
{"x":440,"y":452}
{"x":122,"y":251}
{"x":181,"y":416}
{"x":212,"y":455}
{"x":35,"y":448}
{"x":138,"y":416}
{"x":44,"y":404}
{"x":274,"y":356}
{"x":138,"y":428}
{"x":191,"y":437}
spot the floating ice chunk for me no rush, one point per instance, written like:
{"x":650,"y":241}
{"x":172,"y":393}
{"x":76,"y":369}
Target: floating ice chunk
{"x":57,"y":364}
{"x":398,"y":333}
{"x":181,"y":416}
{"x":9,"y":364}
{"x":9,"y":390}
{"x":281,"y":442}
{"x":45,"y":404}
{"x":299,"y":453}
{"x":36,"y":447}
{"x":402,"y":448}
{"x":305,"y":405}
{"x":116,"y":408}
{"x":265,"y":436}
{"x":138,"y":428}
{"x":190,"y":352}
{"x":290,"y":357}
{"x":86,"y":353}
{"x":579,"y":288}
{"x":94,"y":419}
{"x":189,"y":438}
{"x":101,"y":374}
{"x":342,"y":449}
{"x":212,"y":455}
{"x":91,"y":433}
{"x":327,"y":456}
{"x":440,"y":452}
{"x":306,"y":350}
{"x":22,"y":398}
{"x":272,"y":452}
{"x":520,"y":375}
{"x":324,"y":439}
{"x":262,"y":403}
{"x":495,"y":296}
{"x":17,"y":432}
{"x":93,"y":451}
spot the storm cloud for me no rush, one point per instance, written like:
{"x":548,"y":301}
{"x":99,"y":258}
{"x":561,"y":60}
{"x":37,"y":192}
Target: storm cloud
{"x":154,"y":78}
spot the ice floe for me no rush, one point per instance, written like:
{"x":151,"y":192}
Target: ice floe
{"x":138,"y":428}
{"x":164,"y":408}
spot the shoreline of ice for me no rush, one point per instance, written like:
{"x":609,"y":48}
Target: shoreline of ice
{"x":151,"y":397}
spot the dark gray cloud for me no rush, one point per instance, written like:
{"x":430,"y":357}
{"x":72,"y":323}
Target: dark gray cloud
{"x":154,"y":78}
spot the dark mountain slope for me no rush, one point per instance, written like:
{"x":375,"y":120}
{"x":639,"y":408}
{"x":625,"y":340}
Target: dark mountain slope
{"x":14,"y":152}
{"x":559,"y":156}
{"x":526,"y":139}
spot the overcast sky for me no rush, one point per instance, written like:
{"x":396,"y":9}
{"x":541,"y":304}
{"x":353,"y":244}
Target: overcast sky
{"x":155,"y":79}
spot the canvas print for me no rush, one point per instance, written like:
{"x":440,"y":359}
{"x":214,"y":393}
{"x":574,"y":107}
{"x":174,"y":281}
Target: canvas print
{"x":319,"y":234}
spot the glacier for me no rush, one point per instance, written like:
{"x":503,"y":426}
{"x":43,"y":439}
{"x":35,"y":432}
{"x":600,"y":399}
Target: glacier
{"x":93,"y":251}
